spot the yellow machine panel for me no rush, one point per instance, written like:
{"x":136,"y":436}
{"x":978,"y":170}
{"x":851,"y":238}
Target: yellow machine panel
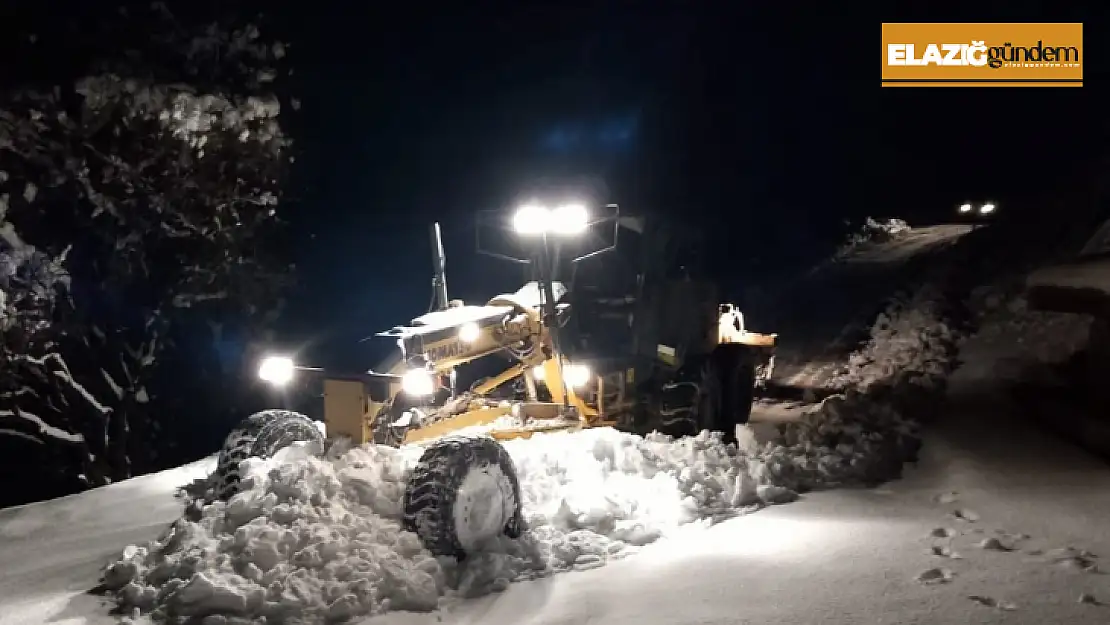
{"x":346,"y":404}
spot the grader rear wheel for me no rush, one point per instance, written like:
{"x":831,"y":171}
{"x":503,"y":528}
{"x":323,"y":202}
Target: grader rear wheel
{"x":716,"y":396}
{"x":260,"y":435}
{"x":727,"y":390}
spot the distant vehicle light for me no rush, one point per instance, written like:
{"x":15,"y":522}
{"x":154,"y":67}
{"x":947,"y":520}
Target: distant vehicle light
{"x":987,"y":209}
{"x":965,"y":208}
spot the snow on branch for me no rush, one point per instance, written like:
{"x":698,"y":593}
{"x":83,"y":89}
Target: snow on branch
{"x":137,"y":195}
{"x":42,"y":427}
{"x":23,"y":435}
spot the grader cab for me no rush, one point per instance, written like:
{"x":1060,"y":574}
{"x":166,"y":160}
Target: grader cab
{"x":650,"y":352}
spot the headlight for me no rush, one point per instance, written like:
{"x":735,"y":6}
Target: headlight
{"x":965,"y":208}
{"x":576,"y":375}
{"x":277,"y":370}
{"x":418,"y":383}
{"x":566,"y":220}
{"x":530,"y":219}
{"x":469,"y":332}
{"x":986,"y":209}
{"x":569,"y":219}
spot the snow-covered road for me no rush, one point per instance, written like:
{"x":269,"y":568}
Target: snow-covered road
{"x":847,"y":556}
{"x":52,"y":552}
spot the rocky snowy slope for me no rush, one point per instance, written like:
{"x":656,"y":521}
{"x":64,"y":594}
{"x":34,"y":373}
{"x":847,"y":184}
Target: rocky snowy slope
{"x":826,"y":313}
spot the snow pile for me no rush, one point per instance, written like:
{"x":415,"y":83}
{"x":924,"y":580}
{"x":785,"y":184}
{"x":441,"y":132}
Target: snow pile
{"x":851,"y":439}
{"x":1011,"y":338}
{"x":910,"y":341}
{"x":874,"y":231}
{"x":865,"y":433}
{"x":314,"y":540}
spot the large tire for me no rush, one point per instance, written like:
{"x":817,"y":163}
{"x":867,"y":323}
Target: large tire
{"x":463,"y":491}
{"x":727,"y":390}
{"x":260,"y":435}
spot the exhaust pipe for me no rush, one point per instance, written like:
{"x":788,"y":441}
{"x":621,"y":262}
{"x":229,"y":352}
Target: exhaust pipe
{"x":439,"y":262}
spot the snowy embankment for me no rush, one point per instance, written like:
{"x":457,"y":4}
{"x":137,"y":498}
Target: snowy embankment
{"x":321,"y":539}
{"x":315,"y":540}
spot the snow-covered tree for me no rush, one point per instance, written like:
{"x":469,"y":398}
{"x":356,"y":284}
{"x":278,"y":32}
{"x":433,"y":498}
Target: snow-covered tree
{"x":137,"y":203}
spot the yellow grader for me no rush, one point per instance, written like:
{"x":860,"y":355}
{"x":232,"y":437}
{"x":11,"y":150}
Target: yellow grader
{"x":677,"y":361}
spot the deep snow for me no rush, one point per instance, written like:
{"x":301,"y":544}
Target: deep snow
{"x":839,"y":557}
{"x":318,"y":539}
{"x":53,"y":552}
{"x":854,"y":556}
{"x":996,"y":523}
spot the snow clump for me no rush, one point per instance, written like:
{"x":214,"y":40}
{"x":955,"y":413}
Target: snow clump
{"x":866,"y":432}
{"x":312,"y":540}
{"x":910,"y":343}
{"x":874,"y":231}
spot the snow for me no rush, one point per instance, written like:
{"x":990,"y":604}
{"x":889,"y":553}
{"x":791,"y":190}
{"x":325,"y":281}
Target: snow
{"x":839,"y":557}
{"x":1086,"y":273}
{"x":995,"y":523}
{"x":874,"y":231}
{"x":41,"y":426}
{"x":317,"y":539}
{"x":854,"y":556}
{"x":528,"y":296}
{"x":440,"y":319}
{"x":53,"y":551}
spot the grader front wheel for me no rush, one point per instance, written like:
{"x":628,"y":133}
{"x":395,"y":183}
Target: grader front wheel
{"x":463,"y":492}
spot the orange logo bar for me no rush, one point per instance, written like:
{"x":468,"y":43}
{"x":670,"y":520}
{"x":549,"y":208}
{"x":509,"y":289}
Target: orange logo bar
{"x":983,"y":55}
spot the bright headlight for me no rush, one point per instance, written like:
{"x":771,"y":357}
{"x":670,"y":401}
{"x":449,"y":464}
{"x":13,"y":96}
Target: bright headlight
{"x":987,"y":209}
{"x":531,"y":219}
{"x":277,"y":370}
{"x":534,"y":219}
{"x":576,"y":375}
{"x":418,"y":383}
{"x":965,"y":208}
{"x":469,"y":332}
{"x":569,"y":219}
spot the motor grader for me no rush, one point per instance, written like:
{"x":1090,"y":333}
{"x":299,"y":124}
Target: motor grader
{"x":677,"y":360}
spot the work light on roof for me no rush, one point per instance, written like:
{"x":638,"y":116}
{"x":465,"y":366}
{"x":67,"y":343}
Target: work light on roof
{"x":565,"y":220}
